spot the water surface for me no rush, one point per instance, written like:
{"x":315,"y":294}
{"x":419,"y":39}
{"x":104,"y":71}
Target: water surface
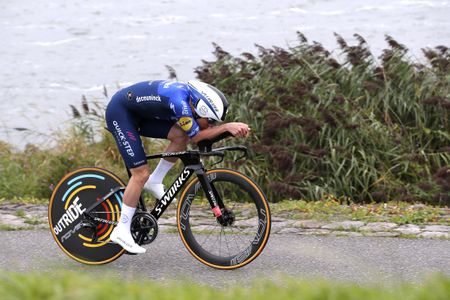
{"x":52,"y":52}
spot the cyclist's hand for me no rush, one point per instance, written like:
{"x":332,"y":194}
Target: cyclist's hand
{"x":238,"y":129}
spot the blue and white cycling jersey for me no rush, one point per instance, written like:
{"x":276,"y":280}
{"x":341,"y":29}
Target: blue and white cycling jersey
{"x":162,"y":99}
{"x":150,"y":109}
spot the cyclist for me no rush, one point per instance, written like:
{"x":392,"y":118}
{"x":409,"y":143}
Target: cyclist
{"x":164,"y":109}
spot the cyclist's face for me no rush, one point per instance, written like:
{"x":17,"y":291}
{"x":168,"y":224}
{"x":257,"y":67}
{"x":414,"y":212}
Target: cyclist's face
{"x":203,"y":123}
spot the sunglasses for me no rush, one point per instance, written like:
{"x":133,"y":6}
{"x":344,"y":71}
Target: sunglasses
{"x":212,"y":121}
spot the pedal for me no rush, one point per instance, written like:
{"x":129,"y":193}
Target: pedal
{"x":89,"y":225}
{"x":94,"y":237}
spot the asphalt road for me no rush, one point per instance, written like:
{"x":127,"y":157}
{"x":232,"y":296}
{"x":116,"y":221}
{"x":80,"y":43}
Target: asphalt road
{"x":348,"y":259}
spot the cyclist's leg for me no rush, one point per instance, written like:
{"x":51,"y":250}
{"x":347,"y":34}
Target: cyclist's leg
{"x":164,"y":129}
{"x":178,"y":142}
{"x":120,"y":123}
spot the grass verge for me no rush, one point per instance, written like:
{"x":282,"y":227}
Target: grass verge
{"x":71,"y":285}
{"x":327,"y":210}
{"x":392,"y":211}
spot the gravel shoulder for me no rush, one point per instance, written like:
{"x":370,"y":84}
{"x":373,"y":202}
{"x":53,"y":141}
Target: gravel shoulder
{"x":31,"y":216}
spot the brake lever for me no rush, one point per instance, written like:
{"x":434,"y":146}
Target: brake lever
{"x":236,"y":148}
{"x":215,"y":153}
{"x":242,"y":156}
{"x":219,"y":161}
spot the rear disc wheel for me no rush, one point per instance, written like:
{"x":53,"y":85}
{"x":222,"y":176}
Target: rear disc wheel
{"x":76,"y":192}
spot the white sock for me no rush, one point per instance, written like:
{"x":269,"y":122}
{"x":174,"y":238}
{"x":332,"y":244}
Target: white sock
{"x":160,"y":171}
{"x":126,"y":216}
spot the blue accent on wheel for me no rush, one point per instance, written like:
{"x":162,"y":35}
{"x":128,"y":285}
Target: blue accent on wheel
{"x":86,"y":176}
{"x":69,"y":190}
{"x":119,"y":200}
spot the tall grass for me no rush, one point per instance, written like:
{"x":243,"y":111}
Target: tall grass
{"x":14,"y":286}
{"x":363,"y":128}
{"x":346,"y":125}
{"x":34,"y":172}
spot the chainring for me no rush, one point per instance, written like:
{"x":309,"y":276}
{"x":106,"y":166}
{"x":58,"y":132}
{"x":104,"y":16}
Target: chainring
{"x":144,"y":228}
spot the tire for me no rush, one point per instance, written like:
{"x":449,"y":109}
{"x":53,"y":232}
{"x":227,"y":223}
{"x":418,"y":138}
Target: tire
{"x":234,"y":245}
{"x":76,"y":192}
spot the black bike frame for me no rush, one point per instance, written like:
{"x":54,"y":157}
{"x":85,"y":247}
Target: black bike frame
{"x":192,"y":164}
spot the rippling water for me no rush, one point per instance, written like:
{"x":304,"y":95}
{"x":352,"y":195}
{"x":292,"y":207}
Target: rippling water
{"x":52,"y":52}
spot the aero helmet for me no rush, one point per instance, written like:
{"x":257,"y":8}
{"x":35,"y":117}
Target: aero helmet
{"x":208,"y":101}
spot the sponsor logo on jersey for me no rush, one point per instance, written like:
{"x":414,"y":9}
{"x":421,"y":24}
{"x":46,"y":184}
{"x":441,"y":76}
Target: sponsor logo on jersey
{"x":130,"y":96}
{"x":131,"y":135}
{"x":194,"y":132}
{"x":122,"y":138}
{"x":168,"y":84}
{"x":148,"y":98}
{"x":185,"y":123}
{"x":185,"y":109}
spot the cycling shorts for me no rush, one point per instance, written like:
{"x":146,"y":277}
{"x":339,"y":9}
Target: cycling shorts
{"x":127,"y":127}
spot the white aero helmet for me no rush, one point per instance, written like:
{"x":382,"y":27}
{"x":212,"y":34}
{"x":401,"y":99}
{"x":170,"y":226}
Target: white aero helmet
{"x":208,"y":101}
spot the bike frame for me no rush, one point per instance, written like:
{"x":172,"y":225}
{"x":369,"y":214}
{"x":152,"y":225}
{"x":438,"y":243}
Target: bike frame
{"x":192,"y":164}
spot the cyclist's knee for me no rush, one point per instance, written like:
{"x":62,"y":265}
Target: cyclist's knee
{"x":178,"y":136}
{"x":141,"y":174}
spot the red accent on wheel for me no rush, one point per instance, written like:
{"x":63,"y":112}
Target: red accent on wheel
{"x":107,"y":218}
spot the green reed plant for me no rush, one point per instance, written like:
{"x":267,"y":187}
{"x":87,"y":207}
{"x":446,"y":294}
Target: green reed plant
{"x":345,"y":125}
{"x":365,"y":128}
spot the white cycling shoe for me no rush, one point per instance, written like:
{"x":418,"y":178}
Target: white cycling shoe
{"x":124,"y":239}
{"x":156,"y":189}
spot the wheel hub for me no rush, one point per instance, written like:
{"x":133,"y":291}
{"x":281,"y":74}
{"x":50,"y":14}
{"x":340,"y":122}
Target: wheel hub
{"x":227,"y":218}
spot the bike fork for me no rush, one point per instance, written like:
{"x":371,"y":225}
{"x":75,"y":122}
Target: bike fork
{"x":211,"y":194}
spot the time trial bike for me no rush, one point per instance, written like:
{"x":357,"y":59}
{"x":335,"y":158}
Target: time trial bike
{"x":223,"y":216}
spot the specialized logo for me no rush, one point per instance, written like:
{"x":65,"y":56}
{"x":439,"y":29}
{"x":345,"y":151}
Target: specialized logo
{"x":203,"y":109}
{"x":209,"y":101}
{"x":185,"y":123}
{"x":148,"y":98}
{"x":122,"y":138}
{"x":168,"y":196}
{"x":124,"y":219}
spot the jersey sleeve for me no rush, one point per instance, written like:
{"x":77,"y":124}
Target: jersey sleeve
{"x":185,"y":118}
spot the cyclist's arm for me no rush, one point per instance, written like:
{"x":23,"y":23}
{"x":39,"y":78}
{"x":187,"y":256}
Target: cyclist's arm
{"x":236,"y":129}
